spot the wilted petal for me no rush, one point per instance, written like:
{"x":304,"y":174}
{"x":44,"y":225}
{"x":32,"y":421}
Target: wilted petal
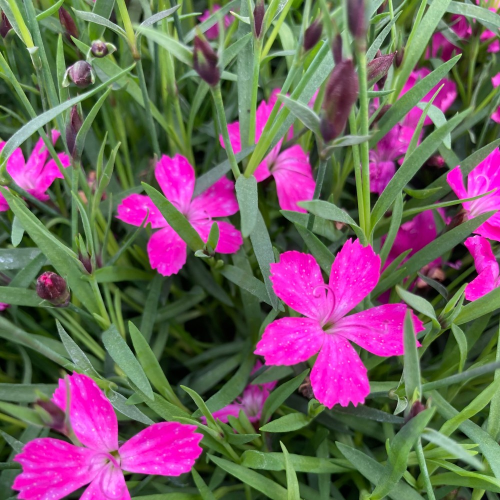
{"x":289,"y":341}
{"x":219,"y":200}
{"x":294,"y":180}
{"x":230,"y":239}
{"x":166,"y":449}
{"x":355,"y":273}
{"x":134,"y":208}
{"x":53,"y":469}
{"x":108,"y":485}
{"x":339,"y":376}
{"x":166,"y":251}
{"x":379,"y":330}
{"x":91,"y":415}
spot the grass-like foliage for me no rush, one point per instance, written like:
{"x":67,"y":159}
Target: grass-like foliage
{"x":248,"y":250}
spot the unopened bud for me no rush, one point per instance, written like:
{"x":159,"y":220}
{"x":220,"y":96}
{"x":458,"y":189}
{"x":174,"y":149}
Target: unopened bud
{"x":381,"y":9}
{"x":340,"y":95}
{"x":337,"y":49}
{"x":5,"y":25}
{"x":72,"y":128}
{"x":436,"y":161}
{"x":205,"y":61}
{"x":356,"y":19}
{"x":416,"y":408}
{"x":67,"y":22}
{"x":399,"y":57}
{"x":50,"y":286}
{"x":258,"y":17}
{"x":51,"y":415}
{"x":81,"y":74}
{"x":99,"y":48}
{"x":312,"y":35}
{"x":379,"y":67}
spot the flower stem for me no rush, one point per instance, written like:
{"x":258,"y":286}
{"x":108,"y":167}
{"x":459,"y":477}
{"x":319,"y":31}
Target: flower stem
{"x":317,"y":188}
{"x":129,"y":30}
{"x":257,"y":49}
{"x":357,"y":171}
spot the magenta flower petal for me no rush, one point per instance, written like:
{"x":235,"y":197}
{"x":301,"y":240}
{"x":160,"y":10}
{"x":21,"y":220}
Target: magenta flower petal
{"x":379,"y":330}
{"x":219,"y":200}
{"x":294,"y":180}
{"x":134,"y":208}
{"x":16,"y":166}
{"x":289,"y":341}
{"x":49,"y":173}
{"x":223,"y":414}
{"x":486,"y":266}
{"x":167,"y":251}
{"x":354,"y":275}
{"x":230,"y":239}
{"x":176,"y":179}
{"x":108,"y":485}
{"x":381,"y":172}
{"x":4,"y":206}
{"x":297,"y":280}
{"x":92,"y":417}
{"x":53,"y":469}
{"x":166,"y":449}
{"x":339,"y":376}
{"x":456,"y":182}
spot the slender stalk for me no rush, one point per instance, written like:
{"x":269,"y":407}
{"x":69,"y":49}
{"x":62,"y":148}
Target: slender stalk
{"x":257,"y":50}
{"x":129,"y":30}
{"x":317,"y":188}
{"x":357,"y":171}
{"x":74,"y":207}
{"x":423,"y":469}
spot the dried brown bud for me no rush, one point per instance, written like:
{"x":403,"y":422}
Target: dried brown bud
{"x":50,"y":286}
{"x":81,"y":74}
{"x":356,"y":19}
{"x":379,"y":67}
{"x":99,"y":48}
{"x":5,"y":25}
{"x":70,"y":29}
{"x":72,"y":128}
{"x":258,"y":17}
{"x":337,"y":49}
{"x":51,"y":415}
{"x":205,"y":61}
{"x":312,"y":35}
{"x":340,"y":95}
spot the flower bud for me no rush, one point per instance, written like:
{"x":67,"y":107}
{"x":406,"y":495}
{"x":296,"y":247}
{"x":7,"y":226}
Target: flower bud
{"x":416,"y":408}
{"x":5,"y":25}
{"x":312,"y":35}
{"x":69,"y":26}
{"x":205,"y":61}
{"x":81,"y":74}
{"x":72,"y":128}
{"x":340,"y":95}
{"x":379,"y":67}
{"x":399,"y":57}
{"x":258,"y":17}
{"x":356,"y":18}
{"x":51,"y":415}
{"x":337,"y":49}
{"x":436,"y":161}
{"x":382,"y":8}
{"x":99,"y":48}
{"x":50,"y":286}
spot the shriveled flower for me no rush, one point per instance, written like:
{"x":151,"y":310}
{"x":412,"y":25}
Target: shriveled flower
{"x":488,"y":274}
{"x":37,"y":174}
{"x":167,"y":251}
{"x":53,"y":469}
{"x":482,"y":179}
{"x":212,"y":33}
{"x":338,"y":375}
{"x":290,"y":168}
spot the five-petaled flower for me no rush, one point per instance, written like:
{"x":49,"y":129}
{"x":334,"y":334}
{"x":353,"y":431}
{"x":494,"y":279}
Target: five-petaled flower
{"x":167,"y":251}
{"x":338,"y":375}
{"x":37,"y":174}
{"x":485,"y":178}
{"x":53,"y":469}
{"x":290,"y":168}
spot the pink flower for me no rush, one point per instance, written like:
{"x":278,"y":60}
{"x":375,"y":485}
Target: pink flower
{"x":496,"y":82}
{"x":251,"y":402}
{"x":53,"y":469}
{"x":484,"y":178}
{"x":4,"y":306}
{"x":487,"y":268}
{"x":290,"y":168}
{"x":166,"y":250}
{"x":36,"y":175}
{"x":441,"y":47}
{"x":213,"y":32}
{"x":338,"y":375}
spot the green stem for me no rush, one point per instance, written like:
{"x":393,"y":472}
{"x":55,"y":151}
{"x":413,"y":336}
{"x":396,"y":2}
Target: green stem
{"x":100,"y":302}
{"x":423,"y":470}
{"x":357,"y":171}
{"x":219,"y":106}
{"x":129,"y":30}
{"x":319,"y":184}
{"x":74,"y":207}
{"x":257,"y":49}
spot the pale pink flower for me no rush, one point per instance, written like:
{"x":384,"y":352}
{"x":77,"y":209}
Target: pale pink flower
{"x":212,"y":33}
{"x":53,"y":469}
{"x":290,"y":168}
{"x":338,"y":375}
{"x":37,"y":174}
{"x":483,"y":179}
{"x":167,"y":251}
{"x":488,"y":276}
{"x":496,"y":82}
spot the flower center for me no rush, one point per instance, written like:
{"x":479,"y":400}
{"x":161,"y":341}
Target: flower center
{"x":330,"y":303}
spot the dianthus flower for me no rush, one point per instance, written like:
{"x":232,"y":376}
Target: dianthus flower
{"x":488,"y":276}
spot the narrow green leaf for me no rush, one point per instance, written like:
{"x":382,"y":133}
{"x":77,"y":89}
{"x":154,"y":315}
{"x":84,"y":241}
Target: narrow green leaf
{"x":17,"y":232}
{"x":288,"y":423}
{"x":411,"y":360}
{"x":247,"y":195}
{"x":462,"y":345}
{"x":303,"y":112}
{"x":176,"y":48}
{"x":204,"y":490}
{"x":292,"y":484}
{"x":102,"y":8}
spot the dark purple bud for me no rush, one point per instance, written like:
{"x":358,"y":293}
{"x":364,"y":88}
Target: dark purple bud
{"x":5,"y":25}
{"x":356,"y":19}
{"x":399,"y":57}
{"x":340,"y":95}
{"x":51,"y":415}
{"x":72,"y":129}
{"x":85,"y":260}
{"x":417,"y":408}
{"x":50,"y":286}
{"x":379,"y":67}
{"x":258,"y":17}
{"x":436,"y":161}
{"x":70,"y":29}
{"x":99,"y":48}
{"x":205,"y":61}
{"x":81,"y":74}
{"x":381,"y":9}
{"x":312,"y":35}
{"x":337,"y":49}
